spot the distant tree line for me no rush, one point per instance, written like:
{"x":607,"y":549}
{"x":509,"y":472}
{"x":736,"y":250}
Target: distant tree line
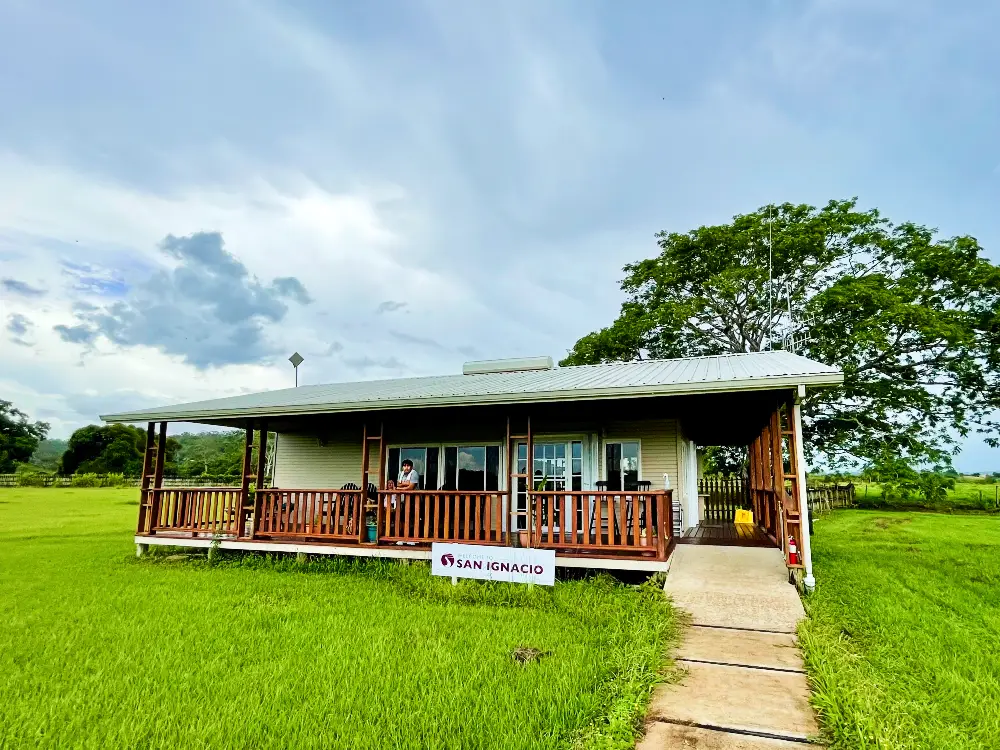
{"x":112,"y":449}
{"x":118,"y":449}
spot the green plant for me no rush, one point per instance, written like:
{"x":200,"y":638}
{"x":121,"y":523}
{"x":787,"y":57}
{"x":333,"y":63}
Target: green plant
{"x":114,"y":480}
{"x":214,"y":548}
{"x":933,"y":487}
{"x":31,"y":479}
{"x":18,"y":437}
{"x":28,"y":475}
{"x":86,"y":480}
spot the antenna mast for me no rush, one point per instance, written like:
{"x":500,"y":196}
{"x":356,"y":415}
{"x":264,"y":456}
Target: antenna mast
{"x":770,"y":280}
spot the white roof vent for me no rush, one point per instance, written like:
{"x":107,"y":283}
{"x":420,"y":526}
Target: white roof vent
{"x":518,"y":364}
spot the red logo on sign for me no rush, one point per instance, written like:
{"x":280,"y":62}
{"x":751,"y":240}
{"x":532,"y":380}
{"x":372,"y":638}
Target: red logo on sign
{"x":447,"y":560}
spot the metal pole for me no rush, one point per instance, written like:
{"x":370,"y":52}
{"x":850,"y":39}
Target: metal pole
{"x":809,"y":581}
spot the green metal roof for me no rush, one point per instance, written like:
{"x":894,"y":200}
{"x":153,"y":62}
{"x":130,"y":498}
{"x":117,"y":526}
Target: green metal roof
{"x":663,"y":377}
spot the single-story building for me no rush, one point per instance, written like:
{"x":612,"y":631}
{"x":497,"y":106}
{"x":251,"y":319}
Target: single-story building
{"x":597,"y":462}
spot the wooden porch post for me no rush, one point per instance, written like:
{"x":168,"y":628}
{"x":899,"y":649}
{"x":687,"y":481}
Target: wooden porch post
{"x":244,"y":498}
{"x":778,"y":470}
{"x":362,"y":521}
{"x":161,"y":454}
{"x":664,"y":514}
{"x":800,"y":471}
{"x":145,"y":522}
{"x":259,"y":476}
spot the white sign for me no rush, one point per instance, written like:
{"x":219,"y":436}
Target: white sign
{"x":494,"y":563}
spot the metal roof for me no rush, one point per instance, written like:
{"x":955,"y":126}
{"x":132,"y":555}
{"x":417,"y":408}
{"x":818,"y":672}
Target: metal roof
{"x":659,"y":377}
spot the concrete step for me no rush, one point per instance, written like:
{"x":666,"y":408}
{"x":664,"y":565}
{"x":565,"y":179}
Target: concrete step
{"x":741,"y":647}
{"x":738,"y":698}
{"x":660,"y":736}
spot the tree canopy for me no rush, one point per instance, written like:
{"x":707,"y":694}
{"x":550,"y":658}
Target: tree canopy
{"x":118,"y":449}
{"x":110,"y":449}
{"x":912,"y":319}
{"x":210,"y":453}
{"x":18,"y":436}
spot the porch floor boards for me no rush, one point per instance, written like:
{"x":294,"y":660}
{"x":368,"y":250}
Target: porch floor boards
{"x":724,"y":534}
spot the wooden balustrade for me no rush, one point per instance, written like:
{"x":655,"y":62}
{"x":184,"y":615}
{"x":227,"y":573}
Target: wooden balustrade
{"x":602,"y":522}
{"x":199,"y":511}
{"x":443,"y":516}
{"x":327,"y":514}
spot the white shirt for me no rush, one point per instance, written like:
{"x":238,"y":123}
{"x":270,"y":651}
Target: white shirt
{"x":413,"y":477}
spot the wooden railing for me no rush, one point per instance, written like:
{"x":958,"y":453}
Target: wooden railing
{"x":326,"y":514}
{"x":723,"y":497}
{"x":596,"y":523}
{"x":443,"y":516}
{"x":198,"y":511}
{"x":602,"y":522}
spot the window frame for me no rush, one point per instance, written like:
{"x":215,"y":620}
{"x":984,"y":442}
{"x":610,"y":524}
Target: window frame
{"x":604,"y":458}
{"x":502,"y":475}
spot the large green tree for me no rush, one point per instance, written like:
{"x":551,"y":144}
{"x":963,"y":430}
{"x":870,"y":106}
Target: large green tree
{"x":18,"y":436}
{"x":110,"y":449}
{"x":913,"y":320}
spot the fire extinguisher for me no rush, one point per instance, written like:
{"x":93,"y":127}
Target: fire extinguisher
{"x":793,"y":551}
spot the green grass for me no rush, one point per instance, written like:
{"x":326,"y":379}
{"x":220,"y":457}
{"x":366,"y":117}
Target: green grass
{"x":966,"y":496}
{"x":99,"y":649}
{"x":903,"y":640}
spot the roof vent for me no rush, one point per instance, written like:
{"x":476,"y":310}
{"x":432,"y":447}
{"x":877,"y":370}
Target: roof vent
{"x":518,"y":364}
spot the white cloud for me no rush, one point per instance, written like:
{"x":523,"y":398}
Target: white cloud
{"x":492,"y":166}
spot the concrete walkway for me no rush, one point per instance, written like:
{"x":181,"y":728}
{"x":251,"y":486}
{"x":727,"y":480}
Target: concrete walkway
{"x":745,"y":686}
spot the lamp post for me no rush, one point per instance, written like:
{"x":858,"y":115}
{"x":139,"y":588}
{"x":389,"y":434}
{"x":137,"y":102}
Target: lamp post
{"x":296,"y":359}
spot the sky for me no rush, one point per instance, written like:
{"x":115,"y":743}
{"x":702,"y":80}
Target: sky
{"x":191,"y":191}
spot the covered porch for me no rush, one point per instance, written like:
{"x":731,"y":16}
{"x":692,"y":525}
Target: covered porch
{"x":597,"y":510}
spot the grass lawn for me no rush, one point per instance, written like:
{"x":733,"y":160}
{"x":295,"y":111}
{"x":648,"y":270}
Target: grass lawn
{"x":903,"y":640}
{"x":967,"y":495}
{"x":99,"y":649}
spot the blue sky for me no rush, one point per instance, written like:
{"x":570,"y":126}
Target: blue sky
{"x":393,"y":187}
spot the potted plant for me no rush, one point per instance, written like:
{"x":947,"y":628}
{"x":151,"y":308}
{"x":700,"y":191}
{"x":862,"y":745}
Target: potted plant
{"x":371,"y":528}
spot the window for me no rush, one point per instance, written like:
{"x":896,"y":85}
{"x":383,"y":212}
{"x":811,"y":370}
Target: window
{"x":576,"y":465}
{"x":471,"y":467}
{"x":425,"y":461}
{"x":621,"y":465}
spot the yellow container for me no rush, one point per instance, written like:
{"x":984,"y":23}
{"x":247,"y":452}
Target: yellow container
{"x":744,"y":516}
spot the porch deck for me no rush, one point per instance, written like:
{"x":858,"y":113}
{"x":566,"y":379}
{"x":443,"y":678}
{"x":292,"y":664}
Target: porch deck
{"x":723,"y":534}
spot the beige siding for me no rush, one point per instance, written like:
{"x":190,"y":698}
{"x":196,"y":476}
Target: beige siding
{"x":657,"y":449}
{"x":304,"y":461}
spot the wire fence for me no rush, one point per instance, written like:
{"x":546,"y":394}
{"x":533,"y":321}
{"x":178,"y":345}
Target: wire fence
{"x":111,"y":480}
{"x":824,"y":498}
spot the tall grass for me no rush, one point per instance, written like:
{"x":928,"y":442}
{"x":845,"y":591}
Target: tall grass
{"x":98,"y":649}
{"x":903,"y":640}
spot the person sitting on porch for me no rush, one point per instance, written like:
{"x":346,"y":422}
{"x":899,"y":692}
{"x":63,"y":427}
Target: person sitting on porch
{"x":409,"y":479}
